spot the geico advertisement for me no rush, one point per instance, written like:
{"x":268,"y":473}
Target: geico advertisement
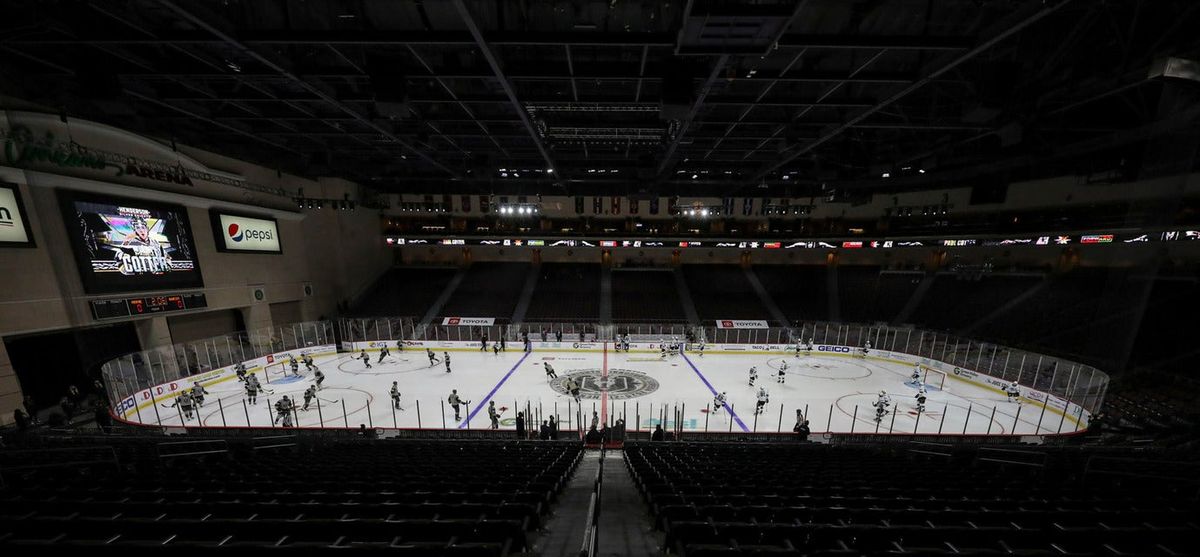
{"x":247,"y":234}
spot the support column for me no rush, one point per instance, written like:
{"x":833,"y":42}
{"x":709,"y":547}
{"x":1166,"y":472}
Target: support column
{"x":257,"y":316}
{"x":153,"y":332}
{"x":10,"y":389}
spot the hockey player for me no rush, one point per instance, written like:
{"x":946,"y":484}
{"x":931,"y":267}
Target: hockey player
{"x":493,"y":415}
{"x":185,"y":403}
{"x":483,"y":343}
{"x":781,"y":376}
{"x":447,"y":356}
{"x":1014,"y":392}
{"x":252,"y":389}
{"x":718,"y":402}
{"x":319,"y":377}
{"x":395,"y":394}
{"x":753,"y":375}
{"x":366,"y":360}
{"x":433,"y":361}
{"x":550,"y":374}
{"x":763,"y":398}
{"x":454,"y":403}
{"x":625,"y":343}
{"x":662,"y":349}
{"x":283,"y":411}
{"x":866,"y":349}
{"x":496,"y":348}
{"x":916,"y":375}
{"x":573,"y":386}
{"x":198,"y":393}
{"x":240,"y":371}
{"x":309,"y":394}
{"x":308,"y":361}
{"x":700,"y":349}
{"x":808,"y":349}
{"x":881,"y":405}
{"x":921,"y":399}
{"x":295,"y":365}
{"x":383,"y":353}
{"x":799,"y":347}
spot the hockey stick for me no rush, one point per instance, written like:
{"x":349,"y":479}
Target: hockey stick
{"x":329,"y":401}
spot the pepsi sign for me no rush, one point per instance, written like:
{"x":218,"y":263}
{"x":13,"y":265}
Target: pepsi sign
{"x":240,"y":233}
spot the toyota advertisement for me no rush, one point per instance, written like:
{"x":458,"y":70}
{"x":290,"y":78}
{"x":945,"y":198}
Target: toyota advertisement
{"x":245,"y":234}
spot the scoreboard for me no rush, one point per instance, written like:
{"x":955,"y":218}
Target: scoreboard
{"x":134,"y":307}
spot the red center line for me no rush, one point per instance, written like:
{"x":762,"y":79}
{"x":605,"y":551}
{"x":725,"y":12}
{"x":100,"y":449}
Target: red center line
{"x":604,"y":387}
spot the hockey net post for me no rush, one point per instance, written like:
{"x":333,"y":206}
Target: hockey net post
{"x":932,"y":378}
{"x":281,"y":366}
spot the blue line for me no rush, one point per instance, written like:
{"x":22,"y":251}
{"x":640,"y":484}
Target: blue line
{"x":488,"y":397}
{"x":714,"y":392}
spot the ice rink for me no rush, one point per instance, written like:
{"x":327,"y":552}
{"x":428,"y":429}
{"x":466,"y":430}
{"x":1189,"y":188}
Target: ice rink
{"x":835,"y":392}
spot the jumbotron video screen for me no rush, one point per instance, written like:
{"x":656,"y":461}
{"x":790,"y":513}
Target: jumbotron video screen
{"x":127,"y":245}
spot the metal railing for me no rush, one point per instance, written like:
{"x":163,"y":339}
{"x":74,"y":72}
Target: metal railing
{"x":1073,"y":382}
{"x":1079,"y":383}
{"x":133,"y":373}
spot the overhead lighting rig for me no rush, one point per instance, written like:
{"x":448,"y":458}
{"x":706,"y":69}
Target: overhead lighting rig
{"x":518,"y":210}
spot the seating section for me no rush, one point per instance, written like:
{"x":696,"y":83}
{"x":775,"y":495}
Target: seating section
{"x":723,"y":292}
{"x":645,"y":296}
{"x":868,"y":295}
{"x":1156,"y":345}
{"x":404,"y":497}
{"x":566,"y":292}
{"x":1065,"y":315}
{"x":488,"y":290}
{"x":800,"y":291}
{"x":404,"y":291}
{"x":953,"y":302}
{"x":728,"y":499}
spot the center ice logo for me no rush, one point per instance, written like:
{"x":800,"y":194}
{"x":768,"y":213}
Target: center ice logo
{"x":622,"y":383}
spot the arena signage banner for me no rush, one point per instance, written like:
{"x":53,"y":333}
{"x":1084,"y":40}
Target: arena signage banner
{"x":469,"y":321}
{"x":241,"y":233}
{"x":741,"y":324}
{"x":14,"y":228}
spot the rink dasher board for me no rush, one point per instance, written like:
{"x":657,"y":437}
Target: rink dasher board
{"x":1053,"y":404}
{"x":164,"y":392}
{"x":130,"y":406}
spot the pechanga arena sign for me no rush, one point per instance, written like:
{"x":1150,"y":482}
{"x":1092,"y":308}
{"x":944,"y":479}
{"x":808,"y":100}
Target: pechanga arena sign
{"x":239,"y":233}
{"x":82,"y":149}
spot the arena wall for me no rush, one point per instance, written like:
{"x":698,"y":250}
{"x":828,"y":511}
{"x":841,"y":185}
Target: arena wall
{"x":335,"y":253}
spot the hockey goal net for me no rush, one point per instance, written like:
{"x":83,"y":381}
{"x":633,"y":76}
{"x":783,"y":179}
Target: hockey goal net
{"x":933,"y":379}
{"x":281,"y":365}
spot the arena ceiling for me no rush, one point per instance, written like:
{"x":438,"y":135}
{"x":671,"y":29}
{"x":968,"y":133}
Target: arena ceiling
{"x":688,"y":97}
